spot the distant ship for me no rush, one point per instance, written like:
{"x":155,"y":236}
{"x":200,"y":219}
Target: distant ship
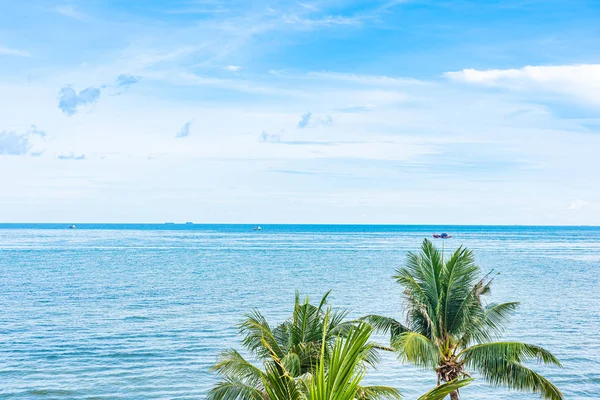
{"x":257,"y":228}
{"x":72,"y":227}
{"x":441,"y":236}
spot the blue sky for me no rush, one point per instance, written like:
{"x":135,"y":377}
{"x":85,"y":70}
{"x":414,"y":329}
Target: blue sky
{"x":414,"y":111}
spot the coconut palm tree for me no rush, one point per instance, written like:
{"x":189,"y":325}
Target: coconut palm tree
{"x":450,"y":329}
{"x":292,"y":348}
{"x":338,"y":373}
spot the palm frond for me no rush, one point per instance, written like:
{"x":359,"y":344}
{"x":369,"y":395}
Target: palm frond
{"x":339,"y":378}
{"x":431,"y":266}
{"x":385,"y":325}
{"x":490,"y":324}
{"x":441,"y":391}
{"x":419,"y":305}
{"x":377,"y":393}
{"x":233,"y":389}
{"x":518,"y":377}
{"x":417,"y":349}
{"x":486,"y":354}
{"x":500,"y":364}
{"x":324,"y":300}
{"x":279,"y":385}
{"x":231,"y":364}
{"x":468,"y":309}
{"x":424,"y":269}
{"x":459,"y":275}
{"x":256,"y":331}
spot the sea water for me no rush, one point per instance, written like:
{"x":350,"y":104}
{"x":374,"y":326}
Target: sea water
{"x":142,"y":311}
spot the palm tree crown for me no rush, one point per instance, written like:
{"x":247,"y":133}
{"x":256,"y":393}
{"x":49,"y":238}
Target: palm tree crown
{"x":290,"y":354}
{"x":450,"y":329}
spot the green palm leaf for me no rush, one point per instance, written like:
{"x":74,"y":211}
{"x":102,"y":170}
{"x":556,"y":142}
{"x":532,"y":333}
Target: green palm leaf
{"x":385,"y":325}
{"x":279,"y":385}
{"x":232,"y":365}
{"x":417,"y":349}
{"x":257,"y":332}
{"x":441,"y":391}
{"x":486,"y":354}
{"x":518,"y":377}
{"x":377,"y":393}
{"x":234,"y":389}
{"x":491,"y":323}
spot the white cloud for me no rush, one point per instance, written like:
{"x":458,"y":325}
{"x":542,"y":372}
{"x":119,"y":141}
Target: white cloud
{"x":13,"y":52}
{"x":233,"y":68}
{"x":580,"y":82}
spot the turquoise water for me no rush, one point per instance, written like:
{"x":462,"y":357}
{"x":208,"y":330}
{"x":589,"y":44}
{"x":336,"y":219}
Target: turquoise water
{"x":141,"y":311}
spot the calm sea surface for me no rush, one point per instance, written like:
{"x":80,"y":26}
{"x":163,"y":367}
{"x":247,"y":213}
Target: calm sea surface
{"x":141,"y":311}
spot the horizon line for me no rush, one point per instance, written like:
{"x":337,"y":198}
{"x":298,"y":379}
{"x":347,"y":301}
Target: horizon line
{"x":188,"y":223}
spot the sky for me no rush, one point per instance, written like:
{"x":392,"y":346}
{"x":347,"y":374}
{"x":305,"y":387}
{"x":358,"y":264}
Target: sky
{"x":380,"y":111}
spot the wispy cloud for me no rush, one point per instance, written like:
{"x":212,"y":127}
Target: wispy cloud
{"x":233,"y":68}
{"x":13,"y":52}
{"x":185,"y":130}
{"x":71,"y":12}
{"x":70,"y":100}
{"x":329,"y":20}
{"x":371,"y":80}
{"x":198,"y":10}
{"x":240,"y":85}
{"x":352,"y":110}
{"x":71,"y":156}
{"x":200,"y":7}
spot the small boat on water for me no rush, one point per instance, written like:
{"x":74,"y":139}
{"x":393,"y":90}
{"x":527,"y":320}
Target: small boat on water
{"x":72,"y":227}
{"x":257,"y":228}
{"x":441,"y":236}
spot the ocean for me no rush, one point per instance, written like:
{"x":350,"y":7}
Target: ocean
{"x":142,"y":311}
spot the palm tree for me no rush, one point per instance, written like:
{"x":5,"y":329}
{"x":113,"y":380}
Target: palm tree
{"x":292,"y":348}
{"x":338,"y":373}
{"x":451,"y":330}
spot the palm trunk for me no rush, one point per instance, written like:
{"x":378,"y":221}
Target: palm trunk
{"x":454,"y":395}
